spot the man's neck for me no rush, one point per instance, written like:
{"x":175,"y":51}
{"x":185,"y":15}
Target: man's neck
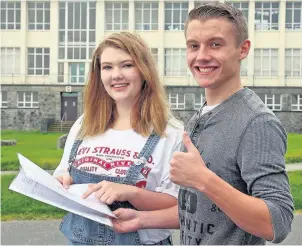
{"x":219,"y":94}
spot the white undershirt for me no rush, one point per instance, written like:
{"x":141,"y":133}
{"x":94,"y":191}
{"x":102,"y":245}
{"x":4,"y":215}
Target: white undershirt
{"x":207,"y":109}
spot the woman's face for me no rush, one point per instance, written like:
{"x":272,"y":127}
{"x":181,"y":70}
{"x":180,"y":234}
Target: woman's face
{"x":120,"y":76}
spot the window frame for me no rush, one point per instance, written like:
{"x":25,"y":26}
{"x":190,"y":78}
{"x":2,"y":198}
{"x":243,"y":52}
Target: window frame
{"x":45,"y":24}
{"x":5,"y":7}
{"x":24,"y":103}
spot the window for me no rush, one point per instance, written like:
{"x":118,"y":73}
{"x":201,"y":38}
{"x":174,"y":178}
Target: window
{"x":243,"y":6}
{"x":199,"y":100}
{"x":244,"y":67}
{"x":77,"y":72}
{"x":272,"y":101}
{"x":296,"y":103}
{"x":197,"y":3}
{"x":266,"y":16}
{"x":154,"y":52}
{"x":146,"y":16}
{"x":266,"y":62}
{"x":175,"y":62}
{"x":77,"y":21}
{"x":60,"y":72}
{"x":293,"y":62}
{"x":10,"y":15}
{"x":175,"y":16}
{"x":293,"y":16}
{"x":38,"y":15}
{"x":28,"y":100}
{"x":10,"y":60}
{"x":117,"y":16}
{"x":38,"y":61}
{"x":176,"y":101}
{"x":3,"y":99}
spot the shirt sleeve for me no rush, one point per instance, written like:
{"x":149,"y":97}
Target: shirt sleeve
{"x":262,"y":163}
{"x":166,"y":185}
{"x":63,"y":166}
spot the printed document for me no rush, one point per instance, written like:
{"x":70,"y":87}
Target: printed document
{"x":34,"y":182}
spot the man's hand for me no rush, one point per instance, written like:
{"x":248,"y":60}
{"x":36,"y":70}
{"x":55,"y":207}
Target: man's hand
{"x":127,"y":220}
{"x":65,"y":180}
{"x":108,"y":192}
{"x":188,"y":169}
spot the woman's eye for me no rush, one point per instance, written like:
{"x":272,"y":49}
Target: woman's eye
{"x":106,"y":68}
{"x":128,"y":65}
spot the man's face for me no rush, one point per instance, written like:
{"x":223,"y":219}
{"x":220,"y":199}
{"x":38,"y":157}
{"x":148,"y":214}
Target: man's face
{"x":213,"y":55}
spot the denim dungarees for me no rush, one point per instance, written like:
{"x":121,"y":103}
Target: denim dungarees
{"x":80,"y":230}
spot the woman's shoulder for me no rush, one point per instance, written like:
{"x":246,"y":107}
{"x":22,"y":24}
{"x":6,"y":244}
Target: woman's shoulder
{"x":175,"y":124}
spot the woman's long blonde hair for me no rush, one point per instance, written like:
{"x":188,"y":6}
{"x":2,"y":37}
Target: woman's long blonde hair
{"x":151,"y":111}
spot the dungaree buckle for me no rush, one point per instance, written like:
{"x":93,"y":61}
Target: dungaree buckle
{"x":141,"y":160}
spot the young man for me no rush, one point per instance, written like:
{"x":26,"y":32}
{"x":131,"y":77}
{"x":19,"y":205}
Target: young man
{"x":235,"y":188}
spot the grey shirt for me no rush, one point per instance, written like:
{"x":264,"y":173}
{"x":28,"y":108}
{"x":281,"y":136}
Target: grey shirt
{"x":244,"y":143}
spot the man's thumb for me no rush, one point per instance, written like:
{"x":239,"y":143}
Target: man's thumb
{"x":188,"y":143}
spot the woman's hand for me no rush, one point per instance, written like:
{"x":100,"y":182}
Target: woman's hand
{"x":65,"y":180}
{"x":108,"y":192}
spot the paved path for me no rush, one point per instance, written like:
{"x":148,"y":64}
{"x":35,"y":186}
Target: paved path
{"x":46,"y":232}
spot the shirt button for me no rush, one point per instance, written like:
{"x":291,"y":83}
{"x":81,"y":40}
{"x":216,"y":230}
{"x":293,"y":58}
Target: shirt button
{"x":195,"y":134}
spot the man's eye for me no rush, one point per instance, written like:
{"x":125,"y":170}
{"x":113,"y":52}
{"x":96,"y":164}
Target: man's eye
{"x":215,"y":44}
{"x":193,"y":46}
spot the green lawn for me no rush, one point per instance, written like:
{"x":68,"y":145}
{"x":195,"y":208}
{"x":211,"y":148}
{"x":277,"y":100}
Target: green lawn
{"x":18,"y":207}
{"x":36,"y":146}
{"x":41,"y":149}
{"x":294,"y":148}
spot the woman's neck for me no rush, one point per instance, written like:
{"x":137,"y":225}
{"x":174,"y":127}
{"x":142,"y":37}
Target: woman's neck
{"x":122,"y":118}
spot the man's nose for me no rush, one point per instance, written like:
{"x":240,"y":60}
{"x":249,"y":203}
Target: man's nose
{"x":203,"y":55}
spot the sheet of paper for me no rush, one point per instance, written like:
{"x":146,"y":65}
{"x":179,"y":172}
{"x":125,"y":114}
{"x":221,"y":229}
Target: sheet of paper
{"x":31,"y":188}
{"x":36,"y":173}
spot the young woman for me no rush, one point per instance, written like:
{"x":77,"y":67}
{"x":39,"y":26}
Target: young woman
{"x":123,"y":142}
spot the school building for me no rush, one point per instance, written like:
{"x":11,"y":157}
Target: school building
{"x":46,"y":47}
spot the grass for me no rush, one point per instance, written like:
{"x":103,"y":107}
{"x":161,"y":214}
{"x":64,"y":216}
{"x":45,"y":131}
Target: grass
{"x":40,"y":148}
{"x":18,"y":207}
{"x":294,"y":148}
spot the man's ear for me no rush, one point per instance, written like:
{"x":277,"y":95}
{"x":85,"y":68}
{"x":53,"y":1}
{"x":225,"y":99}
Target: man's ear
{"x":244,"y":49}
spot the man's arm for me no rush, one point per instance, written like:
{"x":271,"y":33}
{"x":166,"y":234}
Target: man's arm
{"x":129,"y":220}
{"x":268,"y":212}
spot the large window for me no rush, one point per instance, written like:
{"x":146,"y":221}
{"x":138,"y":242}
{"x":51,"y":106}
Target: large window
{"x":117,"y":16}
{"x":266,"y":16}
{"x":76,"y":30}
{"x":176,"y":101}
{"x":146,"y":16}
{"x":28,"y":100}
{"x":77,"y":72}
{"x":293,"y":16}
{"x":10,"y":15}
{"x":10,"y":61}
{"x":266,"y":62}
{"x":199,"y":100}
{"x":38,"y":61}
{"x":3,"y":99}
{"x":154,"y":52}
{"x":175,"y":16}
{"x":175,"y":62}
{"x":296,"y":103}
{"x":293,"y":62}
{"x":244,"y":67}
{"x":38,"y":15}
{"x":272,"y":101}
{"x":243,"y":6}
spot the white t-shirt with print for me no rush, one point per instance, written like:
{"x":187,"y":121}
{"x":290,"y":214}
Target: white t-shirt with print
{"x":113,"y":152}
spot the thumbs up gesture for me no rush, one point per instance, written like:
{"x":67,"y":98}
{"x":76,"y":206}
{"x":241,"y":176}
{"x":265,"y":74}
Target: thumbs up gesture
{"x":188,"y":169}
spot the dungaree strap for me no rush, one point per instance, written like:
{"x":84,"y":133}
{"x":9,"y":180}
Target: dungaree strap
{"x":143,"y":156}
{"x":73,"y":152}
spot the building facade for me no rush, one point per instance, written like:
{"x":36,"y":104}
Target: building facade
{"x":46,"y":48}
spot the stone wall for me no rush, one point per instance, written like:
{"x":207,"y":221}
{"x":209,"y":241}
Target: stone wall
{"x":50,"y":105}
